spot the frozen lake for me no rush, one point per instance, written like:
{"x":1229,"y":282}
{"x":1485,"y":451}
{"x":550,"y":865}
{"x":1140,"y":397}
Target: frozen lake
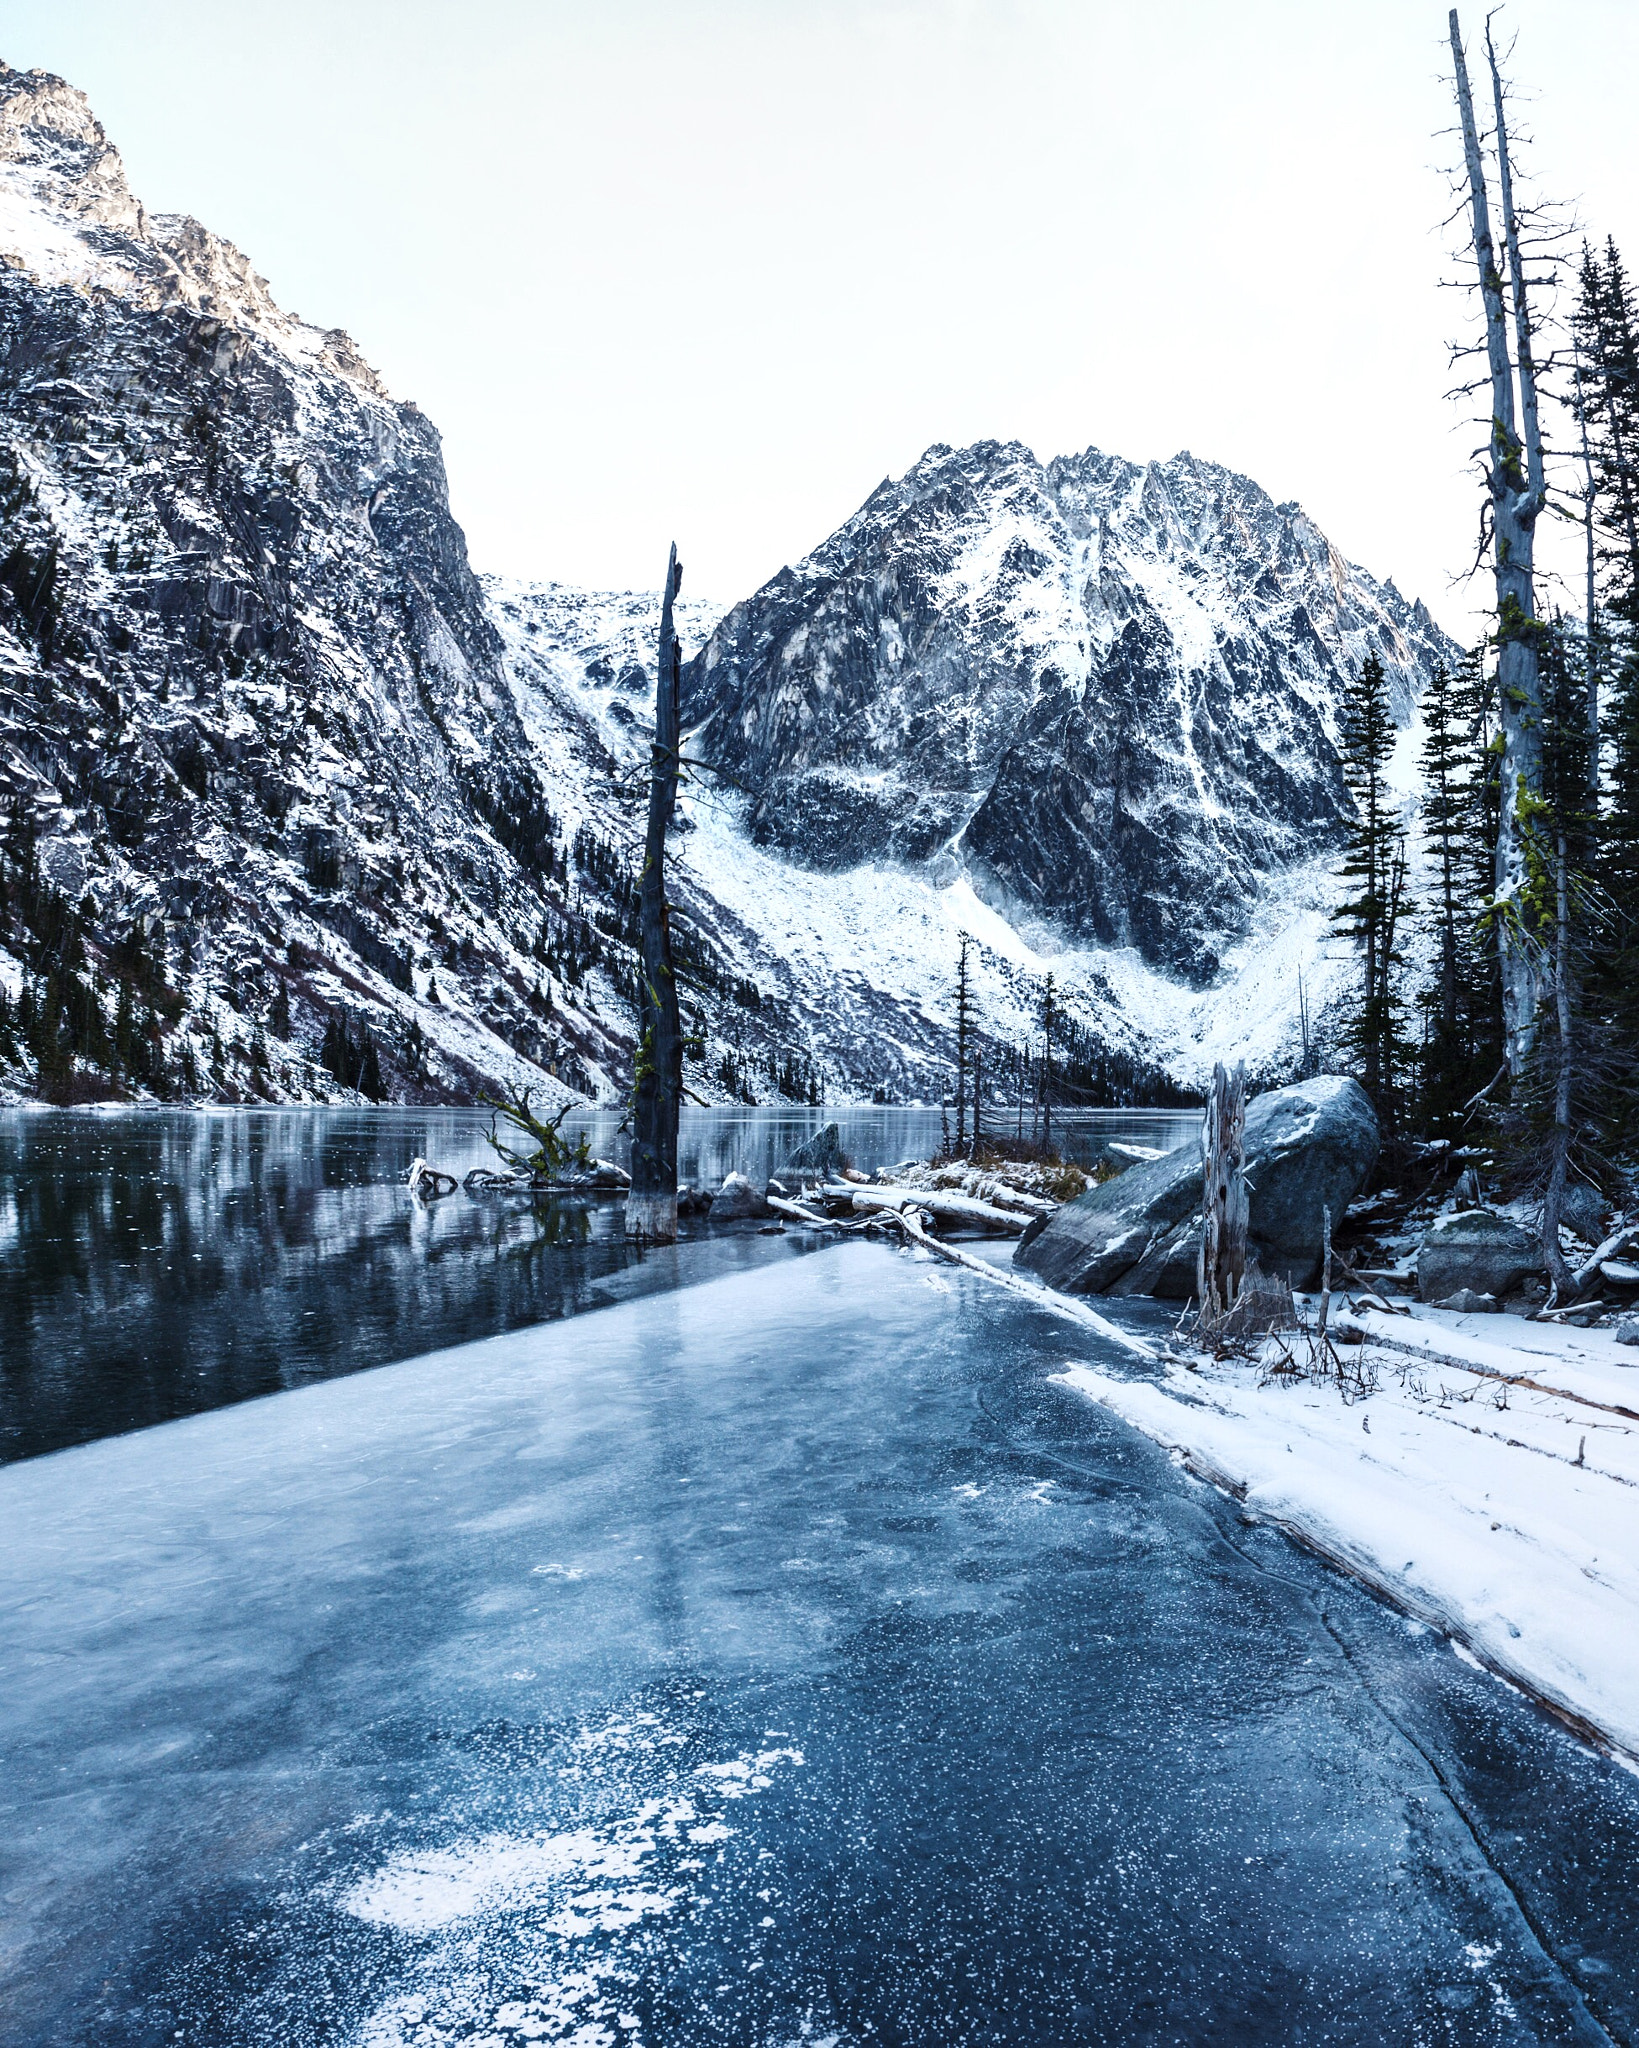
{"x":781,"y":1660}
{"x":155,"y":1263}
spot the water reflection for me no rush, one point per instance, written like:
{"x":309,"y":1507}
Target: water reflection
{"x":156,"y":1263}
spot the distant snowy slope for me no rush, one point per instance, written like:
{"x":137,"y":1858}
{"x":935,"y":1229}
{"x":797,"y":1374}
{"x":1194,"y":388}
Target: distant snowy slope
{"x":860,"y":959}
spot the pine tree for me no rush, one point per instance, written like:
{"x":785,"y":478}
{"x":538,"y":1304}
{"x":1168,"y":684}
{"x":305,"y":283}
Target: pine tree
{"x":1557,"y":1100}
{"x":125,"y":1029}
{"x":1444,"y":802}
{"x":370,"y":1082}
{"x":1607,"y":333}
{"x":1462,"y":1047}
{"x":1049,"y":1023}
{"x":1475,"y":694}
{"x":1374,"y":865}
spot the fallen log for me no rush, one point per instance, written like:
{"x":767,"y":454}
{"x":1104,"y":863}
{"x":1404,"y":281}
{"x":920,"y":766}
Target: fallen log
{"x":907,"y":1221}
{"x":945,"y":1208}
{"x":1586,"y":1275}
{"x":1016,"y":1198}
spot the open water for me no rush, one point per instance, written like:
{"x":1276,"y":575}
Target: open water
{"x":156,"y":1263}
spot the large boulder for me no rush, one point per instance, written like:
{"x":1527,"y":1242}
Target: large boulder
{"x":1478,"y":1250}
{"x":1308,"y":1148}
{"x":820,"y":1158}
{"x":737,"y":1200}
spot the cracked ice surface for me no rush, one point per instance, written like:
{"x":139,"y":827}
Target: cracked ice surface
{"x":1038,"y":1745}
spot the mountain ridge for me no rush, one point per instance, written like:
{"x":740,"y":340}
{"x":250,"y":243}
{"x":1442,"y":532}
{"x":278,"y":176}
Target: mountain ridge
{"x":297,"y":801}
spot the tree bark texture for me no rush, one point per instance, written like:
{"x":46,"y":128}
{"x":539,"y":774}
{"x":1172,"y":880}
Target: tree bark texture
{"x":657,"y":1095}
{"x":1559,"y":1271}
{"x":1514,"y":481}
{"x":1222,"y":1264}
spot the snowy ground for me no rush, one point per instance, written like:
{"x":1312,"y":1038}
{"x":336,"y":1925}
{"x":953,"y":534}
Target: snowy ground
{"x":1488,"y":1482}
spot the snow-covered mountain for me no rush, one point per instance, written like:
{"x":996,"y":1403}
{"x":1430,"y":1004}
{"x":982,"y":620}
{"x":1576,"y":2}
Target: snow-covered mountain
{"x":1104,"y":692}
{"x":285,"y":782}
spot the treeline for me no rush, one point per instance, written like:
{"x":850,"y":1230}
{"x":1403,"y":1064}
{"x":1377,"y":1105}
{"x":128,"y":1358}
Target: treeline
{"x":1014,"y":1089}
{"x":1522,"y":1030}
{"x":60,"y":1014}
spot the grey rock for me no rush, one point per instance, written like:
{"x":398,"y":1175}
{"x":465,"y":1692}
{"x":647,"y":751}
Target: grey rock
{"x":1116,"y":1156}
{"x":1465,"y":1302}
{"x":1308,"y":1147}
{"x":1477,"y":1251}
{"x":1584,"y":1211}
{"x":818,"y":1158}
{"x":1627,"y":1330}
{"x":737,"y":1200}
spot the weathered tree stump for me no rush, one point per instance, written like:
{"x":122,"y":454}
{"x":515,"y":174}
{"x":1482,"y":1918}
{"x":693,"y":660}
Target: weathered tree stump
{"x":1222,"y":1265}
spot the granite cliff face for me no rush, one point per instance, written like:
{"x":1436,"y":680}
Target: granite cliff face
{"x":255,"y":719}
{"x":1104,"y":691}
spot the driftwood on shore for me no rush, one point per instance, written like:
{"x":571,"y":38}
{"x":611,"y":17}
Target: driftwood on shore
{"x":946,"y":1207}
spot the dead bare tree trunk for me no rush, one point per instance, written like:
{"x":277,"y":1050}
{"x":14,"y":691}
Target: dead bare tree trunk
{"x":657,"y":1093}
{"x":1559,"y":1271}
{"x":1222,"y":1263}
{"x":1515,"y":483}
{"x":1592,"y":648}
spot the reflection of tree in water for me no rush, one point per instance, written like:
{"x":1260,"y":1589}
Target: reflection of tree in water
{"x":156,"y":1263}
{"x":562,"y":1223}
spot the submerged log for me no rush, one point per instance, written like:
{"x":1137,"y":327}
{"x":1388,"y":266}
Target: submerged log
{"x":427,"y":1181}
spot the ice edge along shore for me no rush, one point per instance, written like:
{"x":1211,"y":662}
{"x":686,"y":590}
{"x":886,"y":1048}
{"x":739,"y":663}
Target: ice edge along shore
{"x":1464,"y":1489}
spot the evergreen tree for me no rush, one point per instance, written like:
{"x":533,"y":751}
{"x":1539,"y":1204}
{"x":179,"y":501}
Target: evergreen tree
{"x":1556,"y":1106}
{"x":1607,"y":332}
{"x":1049,"y":1023}
{"x":1462,"y":1048}
{"x":1444,"y":805}
{"x":1374,"y":865}
{"x":370,"y":1082}
{"x":125,"y":1030}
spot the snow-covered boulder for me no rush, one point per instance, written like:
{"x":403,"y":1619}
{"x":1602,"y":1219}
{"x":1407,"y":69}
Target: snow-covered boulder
{"x":1476,"y":1251}
{"x":737,"y":1200}
{"x":1309,"y":1147}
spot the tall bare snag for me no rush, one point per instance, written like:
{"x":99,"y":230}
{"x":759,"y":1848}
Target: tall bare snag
{"x":657,"y":1094}
{"x":1518,"y":494}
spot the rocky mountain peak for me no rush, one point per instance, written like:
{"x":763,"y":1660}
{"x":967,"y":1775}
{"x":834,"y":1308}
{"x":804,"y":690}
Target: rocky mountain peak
{"x":1104,"y":691}
{"x":68,"y":216}
{"x":51,"y":140}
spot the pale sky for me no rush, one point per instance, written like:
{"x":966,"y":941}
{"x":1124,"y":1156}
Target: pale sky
{"x":712,"y":269}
